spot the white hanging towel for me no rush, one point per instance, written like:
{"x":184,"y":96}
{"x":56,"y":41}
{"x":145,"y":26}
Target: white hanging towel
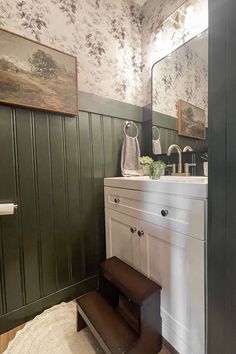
{"x":130,"y":155}
{"x":156,"y":143}
{"x":156,"y":147}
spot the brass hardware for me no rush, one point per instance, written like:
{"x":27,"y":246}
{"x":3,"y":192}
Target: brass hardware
{"x":177,"y":148}
{"x":173,"y":167}
{"x":186,"y":168}
{"x":188,"y":148}
{"x":183,"y":174}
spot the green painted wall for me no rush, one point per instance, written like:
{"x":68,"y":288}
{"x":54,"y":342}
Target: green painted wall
{"x":53,"y":167}
{"x":168,"y":130}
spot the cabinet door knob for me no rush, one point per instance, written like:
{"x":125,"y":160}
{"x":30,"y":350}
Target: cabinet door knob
{"x":164,"y":212}
{"x":140,"y":233}
{"x":133,"y":230}
{"x":117,"y":200}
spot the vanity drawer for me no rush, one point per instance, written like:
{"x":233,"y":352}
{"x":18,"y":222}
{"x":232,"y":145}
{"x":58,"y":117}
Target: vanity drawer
{"x":176,"y":213}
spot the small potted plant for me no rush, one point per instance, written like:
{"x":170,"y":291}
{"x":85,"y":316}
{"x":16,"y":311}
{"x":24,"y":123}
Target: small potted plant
{"x":145,"y":163}
{"x":157,"y":169}
{"x":205,"y":163}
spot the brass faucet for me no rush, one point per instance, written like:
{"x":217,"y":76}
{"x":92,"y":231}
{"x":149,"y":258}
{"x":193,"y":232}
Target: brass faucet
{"x":188,"y":165}
{"x":169,"y":152}
{"x":188,"y":148}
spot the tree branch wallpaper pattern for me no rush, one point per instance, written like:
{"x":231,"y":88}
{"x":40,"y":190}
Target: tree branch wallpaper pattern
{"x":154,"y":13}
{"x":111,"y":39}
{"x":183,"y":76}
{"x":105,"y":35}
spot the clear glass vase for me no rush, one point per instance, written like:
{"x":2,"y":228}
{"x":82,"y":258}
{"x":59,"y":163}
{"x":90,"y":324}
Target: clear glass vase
{"x":157,"y":171}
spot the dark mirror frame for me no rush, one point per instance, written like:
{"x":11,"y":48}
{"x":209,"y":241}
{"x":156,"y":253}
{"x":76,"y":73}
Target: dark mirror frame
{"x":148,"y":114}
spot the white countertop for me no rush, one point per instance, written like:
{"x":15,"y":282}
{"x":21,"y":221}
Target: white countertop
{"x":195,"y":187}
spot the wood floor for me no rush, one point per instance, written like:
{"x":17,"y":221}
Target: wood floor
{"x":165,"y":351}
{"x":8,"y":336}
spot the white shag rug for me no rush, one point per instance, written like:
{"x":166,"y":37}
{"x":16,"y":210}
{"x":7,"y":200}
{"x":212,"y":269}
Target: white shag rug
{"x":54,"y":332}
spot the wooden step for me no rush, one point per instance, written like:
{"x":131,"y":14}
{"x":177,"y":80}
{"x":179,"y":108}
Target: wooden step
{"x":110,"y":329}
{"x":130,"y":282}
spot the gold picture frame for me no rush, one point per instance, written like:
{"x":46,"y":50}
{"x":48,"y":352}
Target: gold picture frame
{"x":37,"y":76}
{"x":191,"y":120}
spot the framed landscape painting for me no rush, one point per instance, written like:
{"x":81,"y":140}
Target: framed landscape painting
{"x":191,"y":120}
{"x":37,"y":76}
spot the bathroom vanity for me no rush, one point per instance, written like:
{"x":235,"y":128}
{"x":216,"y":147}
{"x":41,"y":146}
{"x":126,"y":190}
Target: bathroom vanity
{"x":159,"y":228}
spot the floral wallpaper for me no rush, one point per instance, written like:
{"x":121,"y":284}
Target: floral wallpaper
{"x":183,"y":75}
{"x":154,"y":13}
{"x":105,"y":35}
{"x":112,"y":39}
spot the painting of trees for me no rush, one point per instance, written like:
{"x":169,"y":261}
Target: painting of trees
{"x":191,"y":120}
{"x":43,"y":65}
{"x":37,"y":76}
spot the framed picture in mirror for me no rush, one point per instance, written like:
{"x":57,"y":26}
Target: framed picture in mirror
{"x":191,"y":120}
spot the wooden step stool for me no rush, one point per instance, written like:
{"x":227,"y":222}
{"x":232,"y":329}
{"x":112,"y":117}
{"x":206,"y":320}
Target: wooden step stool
{"x":124,"y":313}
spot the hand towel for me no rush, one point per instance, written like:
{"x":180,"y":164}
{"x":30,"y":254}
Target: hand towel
{"x":156,"y":147}
{"x":130,"y":156}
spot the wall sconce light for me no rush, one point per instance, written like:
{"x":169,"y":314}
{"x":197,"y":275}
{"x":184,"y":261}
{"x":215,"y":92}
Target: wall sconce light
{"x":177,"y":23}
{"x":190,"y":17}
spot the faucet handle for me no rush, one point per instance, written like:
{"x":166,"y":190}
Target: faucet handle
{"x":173,"y":167}
{"x":188,"y":148}
{"x":186,"y":167}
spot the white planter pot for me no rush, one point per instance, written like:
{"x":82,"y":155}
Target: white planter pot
{"x":205,"y":168}
{"x":146,"y":170}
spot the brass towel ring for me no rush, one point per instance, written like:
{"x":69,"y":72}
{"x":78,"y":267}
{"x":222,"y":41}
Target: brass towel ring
{"x":158,"y":131}
{"x":127,"y":125}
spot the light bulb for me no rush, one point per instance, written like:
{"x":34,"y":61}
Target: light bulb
{"x":189,"y":9}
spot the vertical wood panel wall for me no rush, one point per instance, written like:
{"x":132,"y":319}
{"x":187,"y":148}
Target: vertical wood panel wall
{"x":168,"y":128}
{"x":53,"y":167}
{"x":222,"y":178}
{"x":170,"y":136}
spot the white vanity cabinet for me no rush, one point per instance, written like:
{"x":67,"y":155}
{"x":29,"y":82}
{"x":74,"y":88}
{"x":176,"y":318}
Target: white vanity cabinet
{"x":126,"y":246}
{"x":163,"y":235}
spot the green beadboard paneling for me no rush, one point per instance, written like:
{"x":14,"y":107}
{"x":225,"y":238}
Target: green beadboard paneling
{"x":53,"y":167}
{"x":12,"y":272}
{"x":45,"y":204}
{"x":75,"y":244}
{"x":87,"y":192}
{"x":164,"y":121}
{"x":28,"y":202}
{"x":108,"y":146}
{"x":15,"y":318}
{"x":98,"y":177}
{"x":60,"y":216}
{"x":105,"y":106}
{"x":168,"y":127}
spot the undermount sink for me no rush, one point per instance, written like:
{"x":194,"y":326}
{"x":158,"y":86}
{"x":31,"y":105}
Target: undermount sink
{"x":185,"y":179}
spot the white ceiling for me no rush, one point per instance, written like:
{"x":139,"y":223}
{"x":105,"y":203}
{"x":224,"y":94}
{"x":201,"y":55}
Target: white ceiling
{"x":140,"y":2}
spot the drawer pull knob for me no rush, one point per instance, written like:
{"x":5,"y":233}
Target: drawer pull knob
{"x":140,"y":233}
{"x":164,"y":213}
{"x":133,"y":230}
{"x":117,"y":200}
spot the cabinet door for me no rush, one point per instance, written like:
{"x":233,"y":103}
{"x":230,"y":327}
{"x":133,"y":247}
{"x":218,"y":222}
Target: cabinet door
{"x":122,"y":240}
{"x":176,"y":262}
